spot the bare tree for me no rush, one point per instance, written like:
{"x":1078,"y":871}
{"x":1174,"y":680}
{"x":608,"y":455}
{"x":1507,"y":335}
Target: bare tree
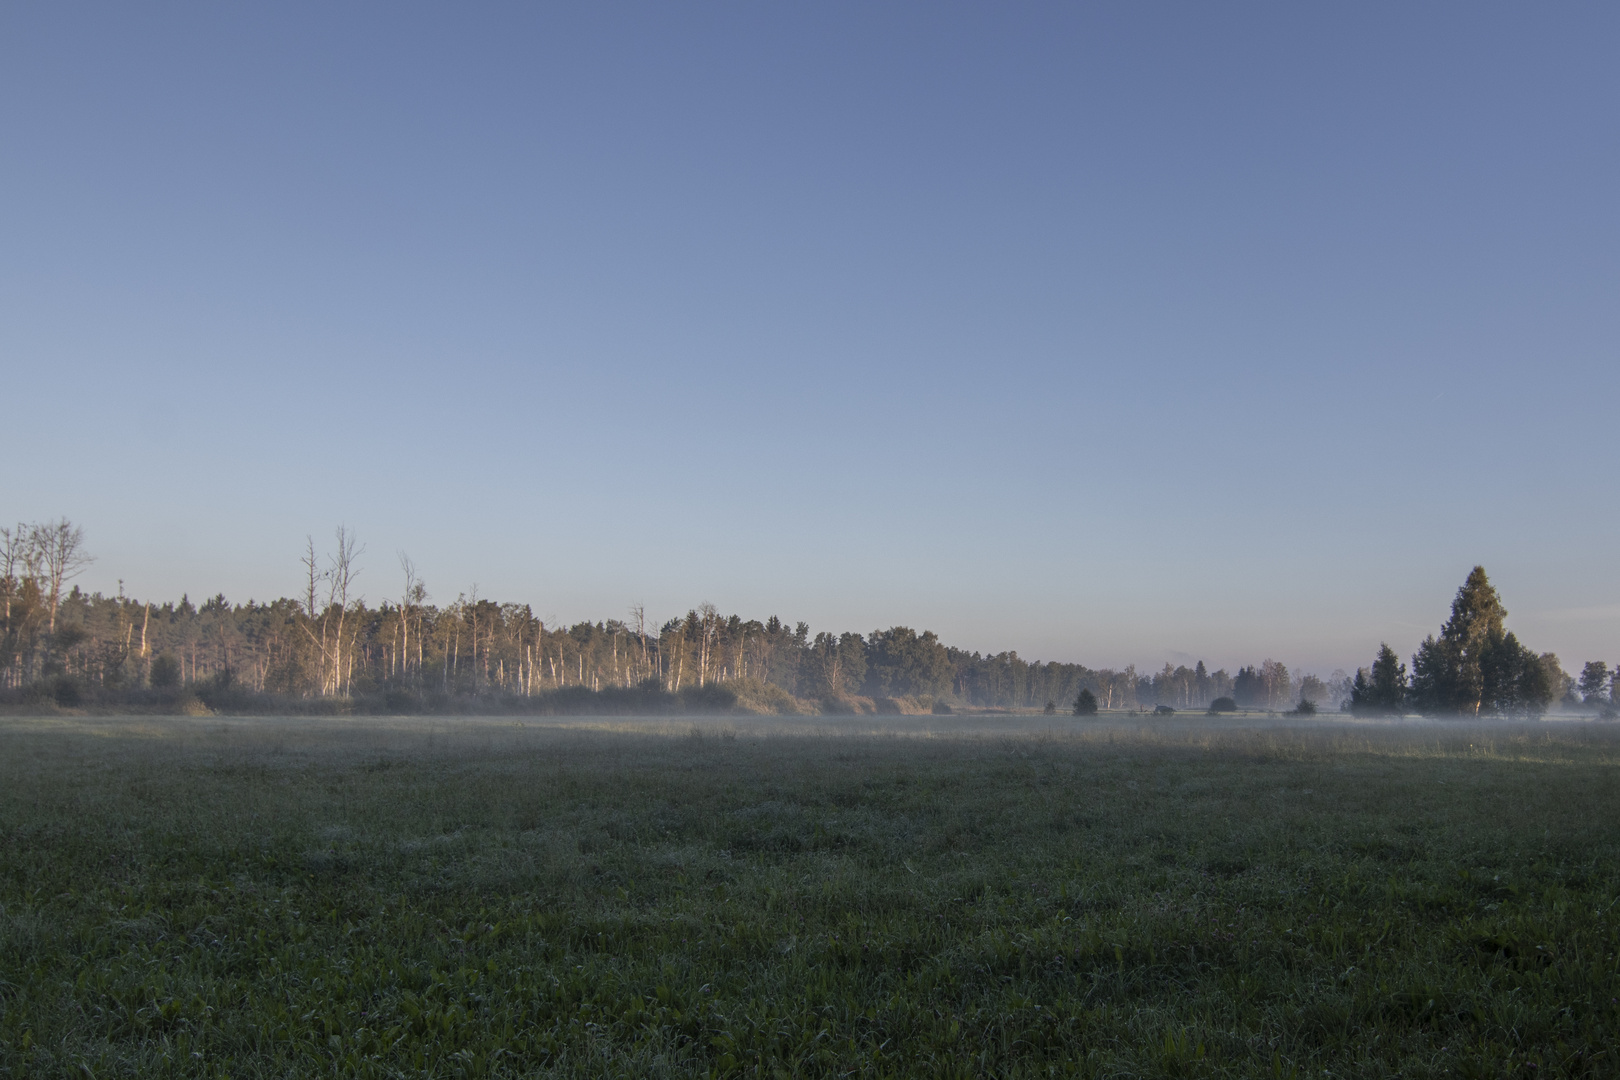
{"x":708,"y":629}
{"x":19,"y":581}
{"x":343,"y":573}
{"x":409,"y":602}
{"x":341,"y":570}
{"x":18,"y":552}
{"x":638,"y":624}
{"x":313,"y":566}
{"x":471,"y":609}
{"x":60,"y":547}
{"x":19,"y":561}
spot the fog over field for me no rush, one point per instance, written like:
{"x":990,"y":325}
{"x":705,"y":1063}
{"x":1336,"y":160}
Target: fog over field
{"x":908,"y":897}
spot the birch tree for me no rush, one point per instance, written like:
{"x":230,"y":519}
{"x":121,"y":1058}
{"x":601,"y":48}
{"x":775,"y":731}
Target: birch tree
{"x":60,"y":545}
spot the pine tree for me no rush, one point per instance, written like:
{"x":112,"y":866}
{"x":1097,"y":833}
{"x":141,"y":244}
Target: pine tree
{"x":1476,"y":622}
{"x":1434,"y":677}
{"x":1447,"y":676}
{"x":1382,"y":692}
{"x":1514,"y":680}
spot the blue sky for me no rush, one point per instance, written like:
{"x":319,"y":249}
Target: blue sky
{"x":1111,"y":333}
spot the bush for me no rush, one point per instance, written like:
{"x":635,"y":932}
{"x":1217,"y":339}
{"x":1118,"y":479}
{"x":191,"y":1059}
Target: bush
{"x":220,"y":692}
{"x":165,"y":672}
{"x":942,"y":709}
{"x":714,"y":697}
{"x":402,"y":702}
{"x":765,"y":698}
{"x":1306,"y":707}
{"x":66,"y":692}
{"x":903,"y":705}
{"x":1085,"y":704}
{"x":1164,"y":710}
{"x":1223,"y":704}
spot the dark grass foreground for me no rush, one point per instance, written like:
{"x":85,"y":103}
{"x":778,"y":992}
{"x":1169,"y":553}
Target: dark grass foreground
{"x":475,"y":898}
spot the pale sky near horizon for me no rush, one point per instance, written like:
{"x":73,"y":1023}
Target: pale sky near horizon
{"x":1107,"y":333}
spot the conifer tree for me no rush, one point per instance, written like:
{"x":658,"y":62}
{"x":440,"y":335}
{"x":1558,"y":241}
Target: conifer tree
{"x":1382,"y":691}
{"x":1447,"y":676}
{"x":1513,"y":679}
{"x":1476,"y":622}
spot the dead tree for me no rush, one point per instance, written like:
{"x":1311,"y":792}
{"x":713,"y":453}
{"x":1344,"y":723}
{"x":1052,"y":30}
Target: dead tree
{"x":339,"y":575}
{"x":60,"y":545}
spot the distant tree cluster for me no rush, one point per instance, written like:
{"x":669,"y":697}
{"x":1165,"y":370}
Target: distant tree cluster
{"x":36,"y":562}
{"x":330,"y":645}
{"x":1475,"y":667}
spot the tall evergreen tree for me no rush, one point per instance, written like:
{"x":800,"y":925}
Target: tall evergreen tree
{"x":1475,"y":624}
{"x":1447,"y":676}
{"x":1382,"y":692}
{"x":1249,"y":688}
{"x":1434,"y":677}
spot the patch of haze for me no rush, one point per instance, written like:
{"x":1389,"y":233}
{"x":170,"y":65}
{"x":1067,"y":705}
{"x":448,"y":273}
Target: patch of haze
{"x":751,"y":742}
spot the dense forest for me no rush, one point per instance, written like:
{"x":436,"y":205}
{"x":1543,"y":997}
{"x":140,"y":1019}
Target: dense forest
{"x":328,"y":650}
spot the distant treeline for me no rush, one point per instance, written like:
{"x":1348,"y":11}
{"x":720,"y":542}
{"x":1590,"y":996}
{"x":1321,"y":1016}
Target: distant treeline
{"x":328,"y":650}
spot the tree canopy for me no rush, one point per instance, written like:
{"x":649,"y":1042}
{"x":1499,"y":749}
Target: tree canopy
{"x":1476,"y":666}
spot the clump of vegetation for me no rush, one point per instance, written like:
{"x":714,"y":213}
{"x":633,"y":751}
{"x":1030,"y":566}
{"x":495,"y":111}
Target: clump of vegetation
{"x":767,"y":699}
{"x":1085,"y":704}
{"x":164,"y":673}
{"x":1382,"y":692}
{"x":423,"y":897}
{"x":1476,"y":666}
{"x":1222,"y":705}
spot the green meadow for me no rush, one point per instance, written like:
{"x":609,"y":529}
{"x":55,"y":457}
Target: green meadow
{"x":920,"y":896}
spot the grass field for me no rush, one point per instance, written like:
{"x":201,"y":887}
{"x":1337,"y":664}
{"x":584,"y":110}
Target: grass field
{"x":262,"y":898}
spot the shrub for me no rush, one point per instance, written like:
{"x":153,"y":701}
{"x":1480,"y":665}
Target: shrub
{"x":765,"y":698}
{"x":66,"y":692}
{"x":403,"y":702}
{"x":1085,"y":704}
{"x":713,"y":697}
{"x":1223,"y":704}
{"x":165,"y":672}
{"x":221,"y":692}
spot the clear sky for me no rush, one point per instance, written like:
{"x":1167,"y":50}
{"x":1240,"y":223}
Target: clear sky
{"x":1106,"y":332}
